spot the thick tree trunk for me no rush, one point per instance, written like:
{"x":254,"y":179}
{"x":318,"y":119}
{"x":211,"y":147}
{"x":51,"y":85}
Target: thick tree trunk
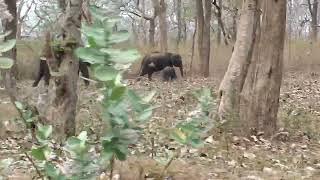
{"x":179,"y":22}
{"x":161,"y":7}
{"x":249,"y":92}
{"x":233,"y":81}
{"x":219,"y":37}
{"x":65,"y":102}
{"x":313,"y":9}
{"x":234,"y":25}
{"x":152,"y":31}
{"x":193,"y":44}
{"x":204,"y":18}
{"x":260,"y":96}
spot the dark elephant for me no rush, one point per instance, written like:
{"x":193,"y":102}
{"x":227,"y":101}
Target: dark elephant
{"x":44,"y":71}
{"x":168,"y":73}
{"x":158,"y":61}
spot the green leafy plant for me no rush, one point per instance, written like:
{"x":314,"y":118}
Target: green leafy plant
{"x":195,"y":127}
{"x":123,"y":110}
{"x":5,"y":62}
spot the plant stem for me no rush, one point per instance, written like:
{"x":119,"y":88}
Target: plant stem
{"x":34,"y":165}
{"x":111,"y":167}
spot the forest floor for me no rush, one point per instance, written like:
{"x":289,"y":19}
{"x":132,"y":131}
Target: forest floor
{"x":293,"y":154}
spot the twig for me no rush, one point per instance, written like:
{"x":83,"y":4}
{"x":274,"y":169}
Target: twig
{"x":34,"y":165}
{"x":111,"y":167}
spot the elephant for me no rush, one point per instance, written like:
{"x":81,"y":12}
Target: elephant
{"x":157,"y":61}
{"x":168,"y":73}
{"x":44,"y":71}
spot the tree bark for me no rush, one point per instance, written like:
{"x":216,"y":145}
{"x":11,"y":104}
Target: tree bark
{"x":249,"y":92}
{"x":193,"y":44}
{"x":204,"y":18}
{"x":65,"y":102}
{"x":152,"y":31}
{"x":313,"y":9}
{"x":161,"y":8}
{"x":260,"y":96}
{"x":219,"y":24}
{"x":233,"y":81}
{"x":179,"y":19}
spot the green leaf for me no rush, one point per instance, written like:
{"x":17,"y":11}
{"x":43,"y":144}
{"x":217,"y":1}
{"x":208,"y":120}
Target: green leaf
{"x":105,"y":73}
{"x":53,"y":172}
{"x":96,"y":35}
{"x":119,"y":37}
{"x":43,"y":132}
{"x":145,"y":115}
{"x":179,"y":136}
{"x":90,"y":55}
{"x":120,"y":155}
{"x":19,"y":105}
{"x":121,"y":57}
{"x":118,"y":93}
{"x":6,"y":63}
{"x":196,"y":143}
{"x":40,"y":153}
{"x":7,"y":45}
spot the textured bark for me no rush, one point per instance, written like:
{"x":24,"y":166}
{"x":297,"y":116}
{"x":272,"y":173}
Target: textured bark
{"x":204,"y":18}
{"x":313,"y":9}
{"x":193,"y":43}
{"x":161,"y":8}
{"x":260,"y":96}
{"x":233,"y":81}
{"x":65,"y":102}
{"x":152,"y":31}
{"x":179,"y":19}
{"x":219,"y":24}
{"x":249,"y":92}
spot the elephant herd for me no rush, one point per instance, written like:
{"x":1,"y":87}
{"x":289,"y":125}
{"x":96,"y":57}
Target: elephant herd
{"x":164,"y":62}
{"x":153,"y":62}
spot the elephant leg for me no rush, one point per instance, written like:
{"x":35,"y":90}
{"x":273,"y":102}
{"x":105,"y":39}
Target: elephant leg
{"x":150,"y":76}
{"x":42,"y":68}
{"x":83,"y":68}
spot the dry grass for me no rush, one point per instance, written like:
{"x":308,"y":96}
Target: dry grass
{"x":299,"y":55}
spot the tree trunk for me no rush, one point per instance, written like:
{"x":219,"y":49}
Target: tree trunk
{"x":179,"y":22}
{"x":234,"y":25}
{"x":66,"y":98}
{"x":161,"y":8}
{"x":204,"y":19}
{"x":313,"y":8}
{"x":184,"y":25}
{"x":152,"y":31}
{"x":219,"y":24}
{"x":193,"y":44}
{"x":249,"y":92}
{"x":142,"y":22}
{"x":9,"y":76}
{"x":260,"y":96}
{"x":233,"y":81}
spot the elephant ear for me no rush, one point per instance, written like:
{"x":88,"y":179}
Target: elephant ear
{"x":152,"y":65}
